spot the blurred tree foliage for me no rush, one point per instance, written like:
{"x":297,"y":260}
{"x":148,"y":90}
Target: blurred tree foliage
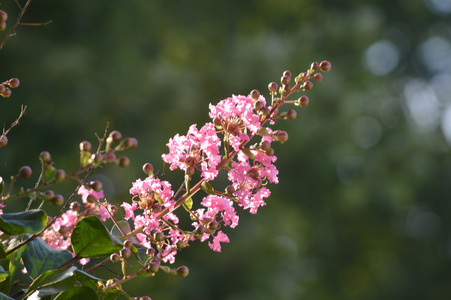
{"x":362,"y":210}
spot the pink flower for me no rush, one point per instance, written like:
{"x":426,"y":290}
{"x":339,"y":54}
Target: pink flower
{"x":218,"y":204}
{"x":219,"y":238}
{"x":84,"y":192}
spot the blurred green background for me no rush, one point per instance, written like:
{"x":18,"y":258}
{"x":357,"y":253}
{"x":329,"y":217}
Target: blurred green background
{"x":362,"y":210}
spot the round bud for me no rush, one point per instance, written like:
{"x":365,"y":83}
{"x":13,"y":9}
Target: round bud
{"x":291,"y":114}
{"x":2,"y":88}
{"x":286,"y":88}
{"x":213,"y":225}
{"x":282,"y":136}
{"x":96,"y":159}
{"x":127,"y":244}
{"x":265,"y":145}
{"x":75,"y":206}
{"x":25,"y":172}
{"x":2,"y":25}
{"x":285,"y":80}
{"x":60,"y":175}
{"x":255,"y":94}
{"x":113,"y":209}
{"x":307,"y":86}
{"x":45,"y":157}
{"x":111,"y":282}
{"x":148,"y":168}
{"x":110,"y":157}
{"x":266,"y":111}
{"x":325,"y":66}
{"x":253,"y":173}
{"x":85,"y":146}
{"x":201,"y":229}
{"x":3,"y":140}
{"x":125,"y":253}
{"x":287,"y":73}
{"x":96,"y":185}
{"x":314,"y":66}
{"x":318,"y":76}
{"x":130,"y":143}
{"x":7,"y":92}
{"x":57,"y":200}
{"x":13,"y":82}
{"x":115,"y":257}
{"x":91,"y":198}
{"x":272,"y":87}
{"x":115,"y":136}
{"x":3,"y":16}
{"x":153,"y":267}
{"x":259,"y":105}
{"x":49,"y":194}
{"x":269,"y":152}
{"x":182,"y":271}
{"x":158,"y":236}
{"x":230,"y":190}
{"x":181,"y":244}
{"x":124,"y":162}
{"x":150,"y":252}
{"x":303,"y":100}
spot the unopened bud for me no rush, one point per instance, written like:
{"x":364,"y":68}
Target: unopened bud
{"x":7,"y":92}
{"x":75,"y":206}
{"x":130,"y":143}
{"x":287,"y":73}
{"x":281,"y":136}
{"x":115,"y":136}
{"x":259,"y":105}
{"x":110,"y":157}
{"x":272,"y":87}
{"x":57,"y":200}
{"x":25,"y":172}
{"x":255,"y":94}
{"x":307,"y":86}
{"x":60,"y":175}
{"x":96,"y":159}
{"x":318,"y":76}
{"x":148,"y":169}
{"x":285,"y":80}
{"x":2,"y":25}
{"x":291,"y":114}
{"x":91,"y":198}
{"x":150,"y":252}
{"x":115,"y":257}
{"x":314,"y":66}
{"x":96,"y":185}
{"x":158,"y":236}
{"x":182,"y":271}
{"x":125,"y":253}
{"x":128,"y":244}
{"x":303,"y":101}
{"x":124,"y":162}
{"x":3,"y":16}
{"x":85,"y":146}
{"x":45,"y":157}
{"x":13,"y":82}
{"x":325,"y":66}
{"x":3,"y":140}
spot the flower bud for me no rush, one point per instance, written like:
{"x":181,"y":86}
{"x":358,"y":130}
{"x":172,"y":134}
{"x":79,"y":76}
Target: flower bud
{"x":127,"y":244}
{"x":253,"y":173}
{"x":57,"y":200}
{"x":91,"y":198}
{"x":269,"y":152}
{"x":96,"y":185}
{"x":291,"y":114}
{"x":213,"y":225}
{"x":325,"y":66}
{"x":182,"y":271}
{"x":45,"y":157}
{"x":307,"y":86}
{"x":303,"y":100}
{"x":318,"y":76}
{"x":230,"y":190}
{"x":113,"y":209}
{"x":49,"y":194}
{"x":75,"y":206}
{"x":287,"y":73}
{"x":158,"y":236}
{"x":272,"y":87}
{"x":96,"y":159}
{"x":153,"y":266}
{"x":115,"y":257}
{"x":3,"y":16}
{"x":115,"y":136}
{"x":148,"y":169}
{"x":265,"y":145}
{"x":3,"y":140}
{"x":60,"y":175}
{"x":150,"y":252}
{"x":110,"y":157}
{"x":201,"y":229}
{"x":2,"y":25}
{"x":112,"y":281}
{"x":255,"y":94}
{"x":130,"y":143}
{"x":7,"y":92}
{"x":124,"y":162}
{"x":281,"y":136}
{"x":314,"y":66}
{"x":85,"y":146}
{"x":125,"y":253}
{"x":180,"y":245}
{"x":13,"y":82}
{"x":259,"y":105}
{"x":25,"y":172}
{"x":2,"y":88}
{"x":285,"y":80}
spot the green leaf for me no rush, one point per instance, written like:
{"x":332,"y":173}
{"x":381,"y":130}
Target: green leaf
{"x":123,"y":225}
{"x":38,"y":257}
{"x":3,"y":274}
{"x":26,"y":222}
{"x":52,"y":282}
{"x":90,"y":238}
{"x":188,"y":204}
{"x":78,"y":292}
{"x":49,"y":173}
{"x":87,"y":279}
{"x":208,"y":188}
{"x":5,"y":297}
{"x":15,"y":262}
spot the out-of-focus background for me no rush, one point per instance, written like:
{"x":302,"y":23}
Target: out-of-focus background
{"x":363,"y":207}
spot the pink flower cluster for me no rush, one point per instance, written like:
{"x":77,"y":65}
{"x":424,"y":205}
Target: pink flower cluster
{"x":237,"y":120}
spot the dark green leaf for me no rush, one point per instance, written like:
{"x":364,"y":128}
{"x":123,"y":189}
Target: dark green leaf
{"x":87,"y":279}
{"x":52,"y":282}
{"x":208,"y":188}
{"x":90,"y":238}
{"x":3,"y":274}
{"x":78,"y":292}
{"x":49,"y":173}
{"x":38,"y":257}
{"x":26,"y":222}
